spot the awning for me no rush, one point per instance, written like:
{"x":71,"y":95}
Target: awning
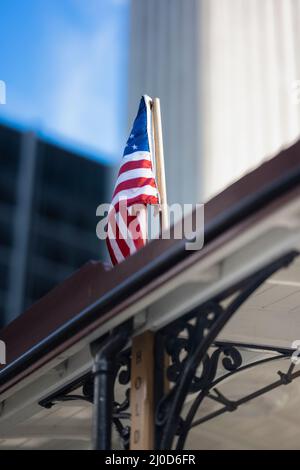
{"x":247,"y":226}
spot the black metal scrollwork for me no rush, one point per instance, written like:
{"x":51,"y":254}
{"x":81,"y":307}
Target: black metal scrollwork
{"x":180,"y":341}
{"x":84,"y":388}
{"x":120,"y":408}
{"x":194,"y":359}
{"x":194,"y":362}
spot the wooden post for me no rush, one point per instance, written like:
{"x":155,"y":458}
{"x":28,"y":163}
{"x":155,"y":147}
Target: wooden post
{"x":142,"y":392}
{"x":160,"y":162}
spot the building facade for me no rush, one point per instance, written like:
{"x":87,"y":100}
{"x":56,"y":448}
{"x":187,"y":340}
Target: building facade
{"x":228,"y":75}
{"x":48,"y":201}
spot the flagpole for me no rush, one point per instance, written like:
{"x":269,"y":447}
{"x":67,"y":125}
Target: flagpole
{"x":160,"y":163}
{"x":162,"y":189}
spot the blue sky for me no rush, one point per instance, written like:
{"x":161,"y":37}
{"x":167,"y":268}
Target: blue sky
{"x":64,"y":63}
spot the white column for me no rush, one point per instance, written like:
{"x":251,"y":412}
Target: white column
{"x":224,"y":70}
{"x":250,"y":61}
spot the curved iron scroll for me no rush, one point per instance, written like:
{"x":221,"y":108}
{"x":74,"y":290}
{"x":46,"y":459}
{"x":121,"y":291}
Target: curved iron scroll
{"x":85,"y":385}
{"x":190,"y":343}
{"x":192,"y":367}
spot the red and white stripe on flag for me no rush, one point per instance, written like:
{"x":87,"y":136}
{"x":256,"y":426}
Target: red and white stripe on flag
{"x":135,"y":189}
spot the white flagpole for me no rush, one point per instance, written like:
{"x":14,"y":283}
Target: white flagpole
{"x":160,"y":163}
{"x":162,"y":188}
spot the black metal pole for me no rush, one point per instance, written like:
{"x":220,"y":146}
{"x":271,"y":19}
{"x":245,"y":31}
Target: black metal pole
{"x":104,"y":377}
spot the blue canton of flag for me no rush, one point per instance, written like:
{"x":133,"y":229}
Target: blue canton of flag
{"x":139,"y":137}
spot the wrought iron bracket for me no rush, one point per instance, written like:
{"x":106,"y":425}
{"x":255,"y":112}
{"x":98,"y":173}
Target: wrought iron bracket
{"x":193,"y":362}
{"x":194,"y":358}
{"x":85,"y":383}
{"x":84,"y":387}
{"x":229,"y":406}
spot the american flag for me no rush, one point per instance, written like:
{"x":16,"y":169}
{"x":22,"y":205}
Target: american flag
{"x":135,"y":188}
